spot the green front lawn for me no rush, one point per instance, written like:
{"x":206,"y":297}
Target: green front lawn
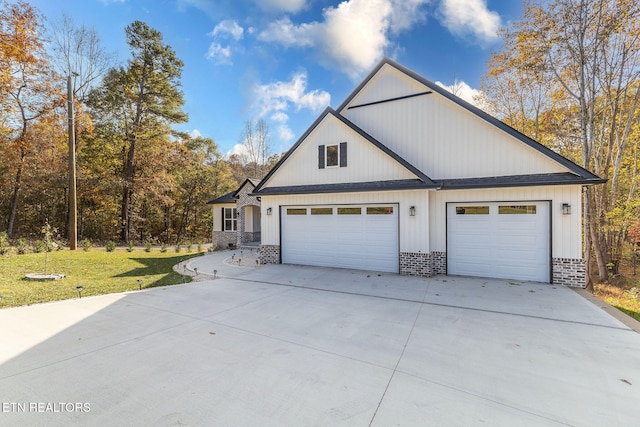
{"x":97,"y":271}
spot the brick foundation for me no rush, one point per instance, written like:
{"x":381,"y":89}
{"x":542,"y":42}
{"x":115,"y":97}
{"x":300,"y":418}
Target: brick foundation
{"x":222,"y":239}
{"x":415,"y":264}
{"x":569,"y":272}
{"x":439,"y":263}
{"x":249,"y":236}
{"x":269,"y":254}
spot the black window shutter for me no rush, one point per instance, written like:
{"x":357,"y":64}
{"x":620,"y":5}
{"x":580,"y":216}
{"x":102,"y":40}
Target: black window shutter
{"x":321,"y":157}
{"x":343,"y":154}
{"x":223,"y":220}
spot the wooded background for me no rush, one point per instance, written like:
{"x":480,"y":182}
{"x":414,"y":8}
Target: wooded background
{"x":567,"y":76}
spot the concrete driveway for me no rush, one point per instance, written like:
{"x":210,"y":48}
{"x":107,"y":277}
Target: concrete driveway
{"x":287,"y":345}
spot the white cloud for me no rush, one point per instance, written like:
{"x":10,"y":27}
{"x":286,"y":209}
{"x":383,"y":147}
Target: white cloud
{"x":292,"y":6}
{"x":285,"y":134}
{"x":239,"y":150}
{"x":285,"y":32}
{"x":278,"y":96}
{"x":466,"y":92}
{"x":195,"y":133}
{"x":228,"y":27}
{"x":219,"y":53}
{"x":406,"y":13}
{"x":224,"y":30}
{"x":352,"y":35}
{"x":470,"y":17}
{"x":273,"y":100}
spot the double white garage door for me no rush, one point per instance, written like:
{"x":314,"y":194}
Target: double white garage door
{"x":502,"y":240}
{"x":362,"y":237}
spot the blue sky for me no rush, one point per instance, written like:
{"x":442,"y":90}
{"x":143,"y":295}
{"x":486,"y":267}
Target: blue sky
{"x":286,"y":60}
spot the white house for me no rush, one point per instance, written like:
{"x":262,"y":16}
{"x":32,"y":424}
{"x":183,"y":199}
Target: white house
{"x":236,"y":217}
{"x":405,"y":177}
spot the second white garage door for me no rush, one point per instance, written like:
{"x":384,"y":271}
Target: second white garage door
{"x":503,"y":240}
{"x":360,"y":237}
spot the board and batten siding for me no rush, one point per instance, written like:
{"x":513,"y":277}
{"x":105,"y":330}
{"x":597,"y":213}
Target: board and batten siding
{"x":365,"y":161}
{"x":566,"y":230}
{"x":439,"y":137}
{"x":413,"y":230}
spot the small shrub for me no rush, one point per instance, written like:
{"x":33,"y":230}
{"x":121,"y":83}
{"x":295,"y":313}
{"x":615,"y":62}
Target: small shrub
{"x":110,"y":246}
{"x":178,"y":248}
{"x":22,"y":247}
{"x":147,"y":247}
{"x":163,"y":248}
{"x":4,"y":243}
{"x":189,"y":246}
{"x":86,"y":245}
{"x":199,"y":247}
{"x":130,"y":247}
{"x":39,"y":246}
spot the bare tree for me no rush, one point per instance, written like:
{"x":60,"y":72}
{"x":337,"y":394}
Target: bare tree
{"x":77,"y":50}
{"x":256,"y":139}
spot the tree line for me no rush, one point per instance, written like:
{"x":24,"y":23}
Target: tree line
{"x":567,"y":75}
{"x":138,"y":179}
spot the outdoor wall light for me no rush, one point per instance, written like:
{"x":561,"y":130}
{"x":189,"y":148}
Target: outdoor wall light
{"x":269,"y":210}
{"x":79,"y":289}
{"x":566,"y":209}
{"x":412,"y":211}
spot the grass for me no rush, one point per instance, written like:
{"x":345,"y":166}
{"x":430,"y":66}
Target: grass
{"x":97,"y":271}
{"x":618,"y":295}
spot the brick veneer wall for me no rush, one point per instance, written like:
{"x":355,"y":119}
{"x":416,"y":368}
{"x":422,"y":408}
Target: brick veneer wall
{"x":415,"y":264}
{"x":269,"y":254}
{"x":221,"y":239}
{"x":439,"y":263}
{"x":569,"y":272}
{"x":244,"y":200}
{"x":249,"y":236}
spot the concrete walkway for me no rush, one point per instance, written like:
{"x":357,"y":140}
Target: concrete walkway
{"x":290,"y":345}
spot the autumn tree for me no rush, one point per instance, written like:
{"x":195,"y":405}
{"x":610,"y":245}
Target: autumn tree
{"x":28,"y":93}
{"x":143,"y":100}
{"x":587,"y":54}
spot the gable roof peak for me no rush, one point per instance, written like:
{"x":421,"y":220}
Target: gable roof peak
{"x":571,"y":166}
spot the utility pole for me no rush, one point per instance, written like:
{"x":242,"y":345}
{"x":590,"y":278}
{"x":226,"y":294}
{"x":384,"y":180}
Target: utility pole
{"x":73,"y":202}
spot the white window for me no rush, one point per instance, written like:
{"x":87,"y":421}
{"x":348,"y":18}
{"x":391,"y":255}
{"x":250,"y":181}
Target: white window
{"x":230,"y":219}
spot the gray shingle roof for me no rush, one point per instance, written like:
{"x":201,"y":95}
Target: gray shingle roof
{"x":516,"y":181}
{"x":350,"y":187}
{"x":227,"y":198}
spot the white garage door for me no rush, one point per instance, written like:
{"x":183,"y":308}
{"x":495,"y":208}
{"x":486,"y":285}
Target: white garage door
{"x":360,"y":237}
{"x":503,"y":240}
